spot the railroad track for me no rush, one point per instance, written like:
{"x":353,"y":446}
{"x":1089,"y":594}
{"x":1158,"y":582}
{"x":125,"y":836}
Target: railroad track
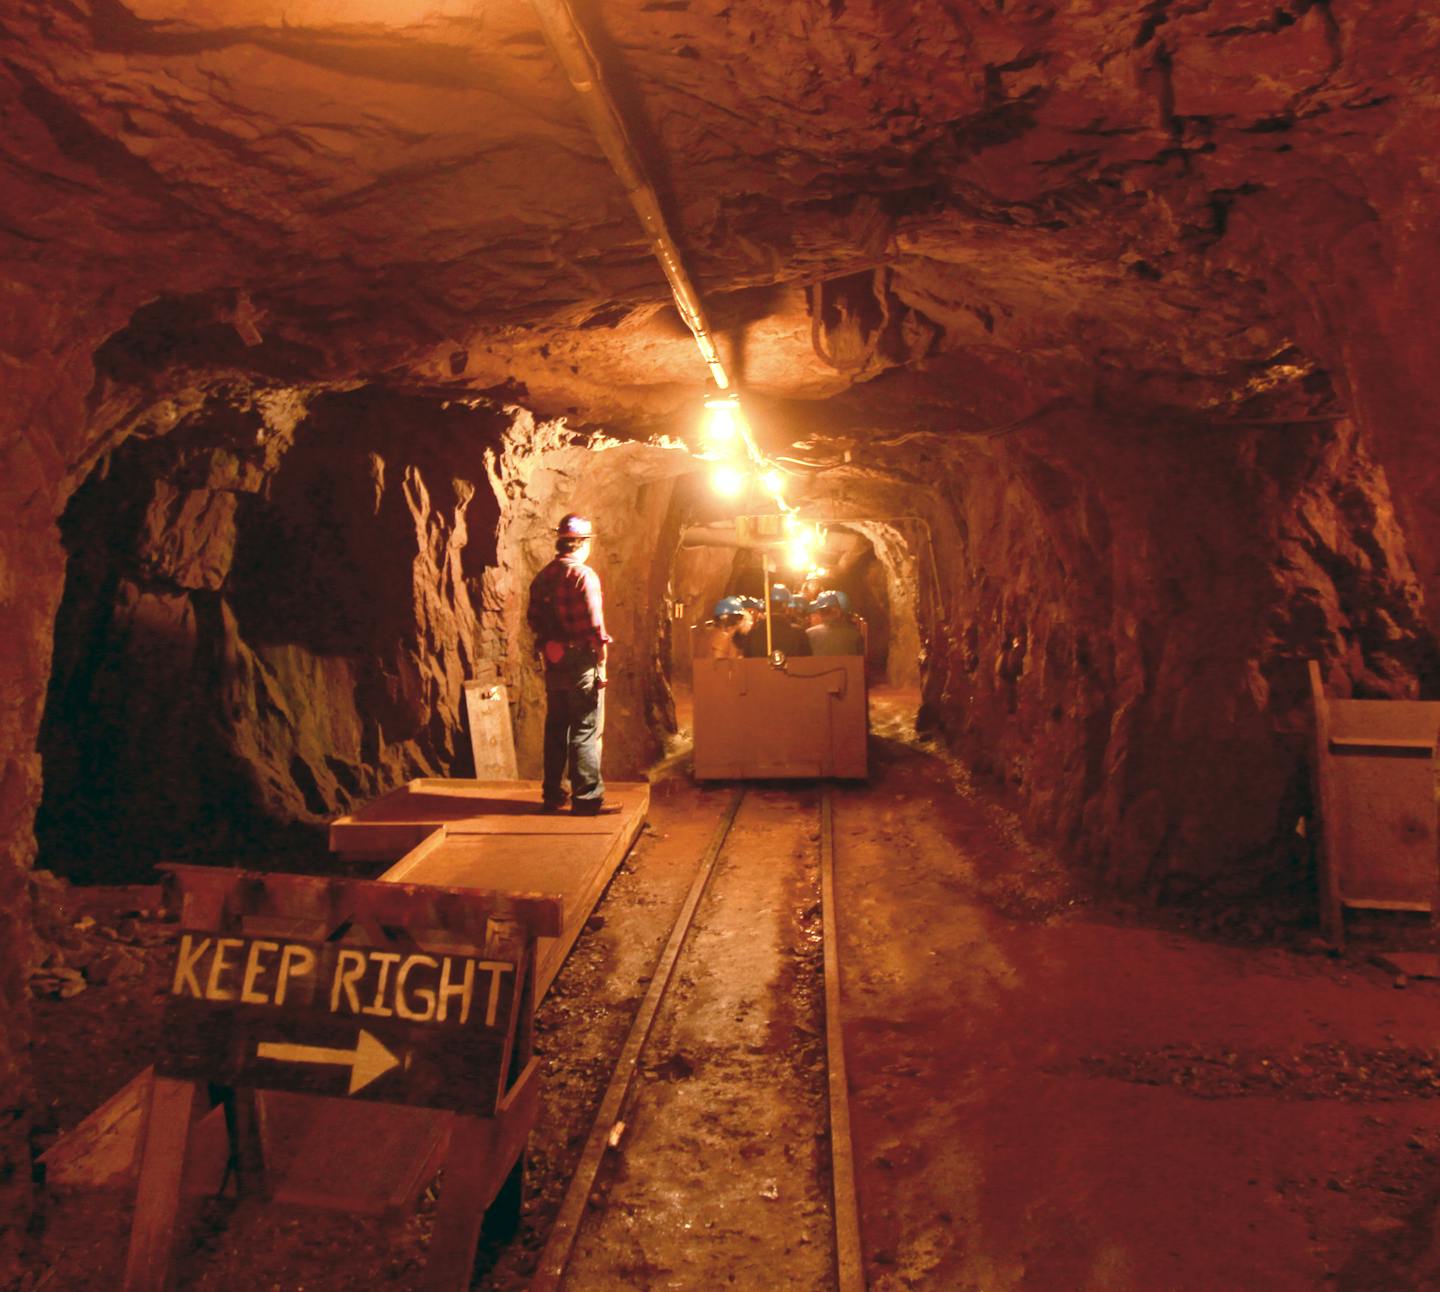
{"x":622,"y":1093}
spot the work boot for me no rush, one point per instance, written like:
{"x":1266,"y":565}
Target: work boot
{"x":594,"y":809}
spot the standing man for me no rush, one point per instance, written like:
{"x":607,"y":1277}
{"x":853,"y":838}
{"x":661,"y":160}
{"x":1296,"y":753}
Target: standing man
{"x":834,"y":634}
{"x":567,"y":616}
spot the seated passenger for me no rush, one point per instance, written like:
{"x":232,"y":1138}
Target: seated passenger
{"x":721,"y":637}
{"x":785,"y":634}
{"x":834,"y":634}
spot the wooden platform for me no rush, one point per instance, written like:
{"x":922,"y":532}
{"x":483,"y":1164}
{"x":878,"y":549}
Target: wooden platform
{"x":492,"y":835}
{"x":452,"y":833}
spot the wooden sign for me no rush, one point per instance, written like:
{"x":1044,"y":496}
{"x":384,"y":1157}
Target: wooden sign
{"x":350,"y":988}
{"x":405,"y":1026}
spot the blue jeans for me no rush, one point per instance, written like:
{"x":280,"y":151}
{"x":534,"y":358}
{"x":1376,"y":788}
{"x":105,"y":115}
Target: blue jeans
{"x":572,"y":735}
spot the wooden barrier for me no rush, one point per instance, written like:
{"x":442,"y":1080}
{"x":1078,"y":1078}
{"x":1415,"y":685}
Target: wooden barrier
{"x":352,"y":990}
{"x":808,"y":718}
{"x":1375,"y":770}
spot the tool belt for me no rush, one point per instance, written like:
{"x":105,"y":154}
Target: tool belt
{"x":568,"y":656}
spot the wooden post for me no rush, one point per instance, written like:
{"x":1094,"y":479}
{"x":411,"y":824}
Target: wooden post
{"x":157,"y":1197}
{"x":483,"y":1152}
{"x":247,"y":1144}
{"x":1332,"y":917}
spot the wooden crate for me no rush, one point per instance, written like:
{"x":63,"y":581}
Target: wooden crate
{"x":754,"y":721}
{"x":1375,"y":770}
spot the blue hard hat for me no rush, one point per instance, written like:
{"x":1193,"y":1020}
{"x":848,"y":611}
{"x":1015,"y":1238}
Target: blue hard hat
{"x":752,"y":603}
{"x":843,"y":600}
{"x":574,"y":525}
{"x":779,"y":595}
{"x":827,"y":599}
{"x":728,"y":606}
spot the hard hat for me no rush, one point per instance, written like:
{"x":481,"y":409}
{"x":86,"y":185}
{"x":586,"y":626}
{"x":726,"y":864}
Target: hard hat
{"x":574,"y":526}
{"x":752,"y":603}
{"x":827,"y":599}
{"x":779,"y":594}
{"x":728,"y":606}
{"x":842,"y":600}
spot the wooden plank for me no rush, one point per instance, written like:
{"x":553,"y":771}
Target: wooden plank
{"x":157,"y":1199}
{"x":322,"y":1155}
{"x":1383,"y":830}
{"x":215,"y":899}
{"x":1387,"y":719}
{"x":101,"y":1151}
{"x":492,"y":738}
{"x":1327,"y":855}
{"x":482,"y":1153}
{"x":579,"y":871}
{"x":1381,"y":904}
{"x":1381,"y":744}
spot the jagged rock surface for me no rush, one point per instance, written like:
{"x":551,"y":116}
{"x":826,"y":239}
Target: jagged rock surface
{"x":268,"y":619}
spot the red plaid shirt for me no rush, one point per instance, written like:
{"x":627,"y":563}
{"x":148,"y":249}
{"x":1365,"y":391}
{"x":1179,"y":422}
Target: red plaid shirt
{"x":565,"y":605}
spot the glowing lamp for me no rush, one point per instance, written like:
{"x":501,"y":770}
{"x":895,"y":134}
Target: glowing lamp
{"x":799,"y":556}
{"x":728,"y":482}
{"x":722,"y":418}
{"x":772,"y":482}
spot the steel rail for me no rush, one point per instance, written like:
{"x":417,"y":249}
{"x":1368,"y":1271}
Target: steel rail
{"x":849,"y":1251}
{"x":561,"y":1243}
{"x":577,"y":59}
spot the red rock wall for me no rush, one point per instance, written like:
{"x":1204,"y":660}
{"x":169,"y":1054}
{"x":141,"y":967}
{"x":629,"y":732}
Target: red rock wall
{"x":1128,"y":621}
{"x":267,"y":619}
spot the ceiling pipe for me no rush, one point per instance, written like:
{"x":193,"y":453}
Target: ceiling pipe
{"x":577,"y":59}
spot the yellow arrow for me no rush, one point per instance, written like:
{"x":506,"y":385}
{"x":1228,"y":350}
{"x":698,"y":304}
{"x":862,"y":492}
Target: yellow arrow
{"x":368,"y":1060}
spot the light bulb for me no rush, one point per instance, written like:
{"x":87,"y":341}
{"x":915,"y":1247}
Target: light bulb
{"x":728,"y":482}
{"x":722,"y":421}
{"x":772,"y":482}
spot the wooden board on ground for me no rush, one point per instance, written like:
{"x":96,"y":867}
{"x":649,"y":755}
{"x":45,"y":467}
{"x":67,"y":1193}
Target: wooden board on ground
{"x":514,"y":848}
{"x":1375,"y":767}
{"x":754,"y":721}
{"x":492,"y":737}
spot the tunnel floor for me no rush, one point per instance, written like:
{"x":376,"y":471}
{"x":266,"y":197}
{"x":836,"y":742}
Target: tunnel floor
{"x":1048,"y":1091}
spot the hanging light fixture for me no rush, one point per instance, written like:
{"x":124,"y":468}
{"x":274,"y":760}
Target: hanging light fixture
{"x":728,"y":481}
{"x":723,"y":418}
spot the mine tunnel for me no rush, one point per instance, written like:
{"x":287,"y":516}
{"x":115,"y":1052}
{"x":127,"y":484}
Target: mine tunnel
{"x":1072,"y":930}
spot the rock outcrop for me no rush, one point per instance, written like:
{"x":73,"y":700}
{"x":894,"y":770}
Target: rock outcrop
{"x":267,"y":619}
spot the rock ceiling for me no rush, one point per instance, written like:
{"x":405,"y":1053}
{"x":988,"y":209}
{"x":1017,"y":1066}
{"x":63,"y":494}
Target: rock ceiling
{"x":938,"y":214}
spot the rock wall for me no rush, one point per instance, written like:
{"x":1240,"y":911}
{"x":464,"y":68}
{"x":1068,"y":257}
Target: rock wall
{"x":1128,"y":620}
{"x":47,"y":367}
{"x":267,"y":619}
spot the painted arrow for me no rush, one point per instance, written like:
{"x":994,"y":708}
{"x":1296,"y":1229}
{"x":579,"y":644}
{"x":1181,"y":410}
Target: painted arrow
{"x":367,"y":1061}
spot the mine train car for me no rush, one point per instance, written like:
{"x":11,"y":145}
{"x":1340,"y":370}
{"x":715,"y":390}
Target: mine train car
{"x":780,"y":718}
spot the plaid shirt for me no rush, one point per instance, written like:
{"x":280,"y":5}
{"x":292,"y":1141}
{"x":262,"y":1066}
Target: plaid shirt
{"x":565,"y":605}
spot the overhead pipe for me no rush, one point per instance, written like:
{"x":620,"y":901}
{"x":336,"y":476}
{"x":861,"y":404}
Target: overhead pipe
{"x":578,"y":61}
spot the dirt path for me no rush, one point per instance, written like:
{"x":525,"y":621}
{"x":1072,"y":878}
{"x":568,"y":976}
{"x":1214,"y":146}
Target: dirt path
{"x":1052,"y":1097}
